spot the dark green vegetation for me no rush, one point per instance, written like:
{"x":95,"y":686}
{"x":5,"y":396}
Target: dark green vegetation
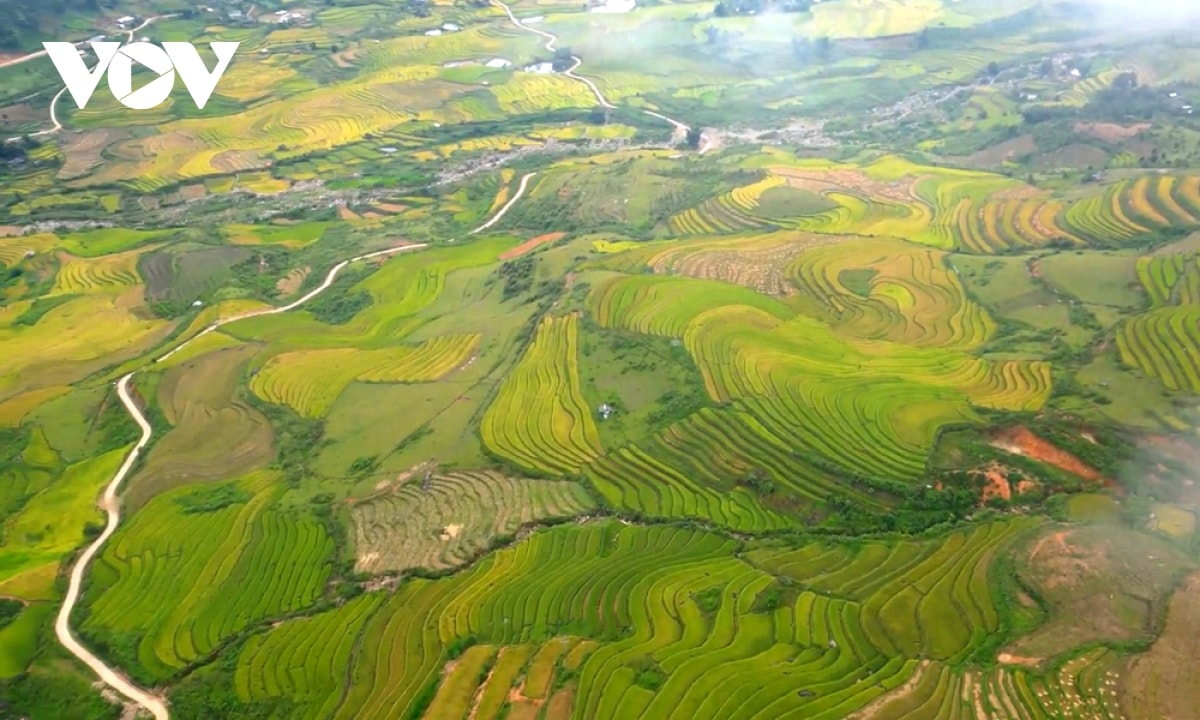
{"x":873,"y":393}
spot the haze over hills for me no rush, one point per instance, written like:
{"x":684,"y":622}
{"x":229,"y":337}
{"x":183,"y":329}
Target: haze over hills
{"x":741,"y":359}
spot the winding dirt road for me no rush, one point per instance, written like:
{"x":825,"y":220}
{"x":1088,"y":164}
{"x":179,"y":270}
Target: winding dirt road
{"x":111,"y":505}
{"x":552,"y":40}
{"x":512,"y":201}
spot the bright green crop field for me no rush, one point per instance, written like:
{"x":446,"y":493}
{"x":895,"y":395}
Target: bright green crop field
{"x":743,"y":360}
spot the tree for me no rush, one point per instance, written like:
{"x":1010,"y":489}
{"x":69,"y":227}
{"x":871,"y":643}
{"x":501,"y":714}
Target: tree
{"x":721,"y":10}
{"x":993,"y":69}
{"x":562,"y":59}
{"x":823,"y":48}
{"x":693,"y":138}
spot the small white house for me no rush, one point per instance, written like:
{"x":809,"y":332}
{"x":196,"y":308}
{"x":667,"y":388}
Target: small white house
{"x":281,"y":13}
{"x":451,"y":27}
{"x":126,"y":20}
{"x":498,"y":63}
{"x":433,"y":33}
{"x":542,"y":68}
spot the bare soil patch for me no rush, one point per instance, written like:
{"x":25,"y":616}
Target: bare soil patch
{"x":1022,"y":441}
{"x":290,"y":283}
{"x":1111,"y":132}
{"x":10,"y":230}
{"x":14,"y":115}
{"x":236,"y":160}
{"x":1017,"y":147}
{"x":530,"y":244}
{"x":1010,"y":659}
{"x":559,"y":707}
{"x":82,"y":152}
{"x":762,"y":269}
{"x":1075,"y":155}
{"x":346,"y":58}
{"x":854,"y":180}
{"x":517,"y":696}
{"x":1099,"y":583}
{"x":881,"y":707}
{"x":997,"y":484}
{"x":1164,"y":682}
{"x":193,"y":192}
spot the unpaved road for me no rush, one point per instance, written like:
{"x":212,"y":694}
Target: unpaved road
{"x":500,"y":213}
{"x":552,"y":39}
{"x":62,"y":626}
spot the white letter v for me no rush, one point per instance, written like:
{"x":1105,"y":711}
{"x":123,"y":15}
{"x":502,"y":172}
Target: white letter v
{"x":79,"y":80}
{"x":199,"y":82}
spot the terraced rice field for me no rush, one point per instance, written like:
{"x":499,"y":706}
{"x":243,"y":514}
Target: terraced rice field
{"x":870,"y":406}
{"x":179,"y":580}
{"x":1084,"y":687}
{"x":452,"y":518}
{"x":105,"y":273}
{"x":539,"y":419}
{"x":709,"y":456}
{"x":948,"y":209}
{"x":687,"y":471}
{"x":719,"y":637}
{"x":1165,"y":345}
{"x":309,"y":381}
{"x":1170,"y":279}
{"x":914,"y":297}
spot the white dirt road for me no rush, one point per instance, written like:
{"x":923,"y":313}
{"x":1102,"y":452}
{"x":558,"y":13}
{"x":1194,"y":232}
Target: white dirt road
{"x":512,"y":201}
{"x":552,"y":39}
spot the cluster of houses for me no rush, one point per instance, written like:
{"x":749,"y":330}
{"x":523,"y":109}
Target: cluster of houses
{"x":446,"y":28}
{"x":288,"y":17}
